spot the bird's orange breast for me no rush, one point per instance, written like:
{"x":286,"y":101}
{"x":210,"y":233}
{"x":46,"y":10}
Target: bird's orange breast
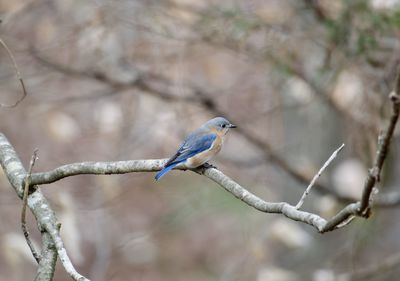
{"x":202,"y":157}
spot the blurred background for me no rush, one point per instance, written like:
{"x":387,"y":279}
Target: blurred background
{"x":128,"y":79}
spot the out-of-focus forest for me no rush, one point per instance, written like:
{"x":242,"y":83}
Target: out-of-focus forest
{"x":128,"y":79}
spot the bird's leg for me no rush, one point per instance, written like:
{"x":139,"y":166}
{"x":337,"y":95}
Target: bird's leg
{"x":201,"y":169}
{"x":208,"y":166}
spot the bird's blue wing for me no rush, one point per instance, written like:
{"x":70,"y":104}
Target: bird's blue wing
{"x":193,"y":144}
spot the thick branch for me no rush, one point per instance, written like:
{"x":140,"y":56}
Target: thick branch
{"x":97,"y":168}
{"x":122,"y":167}
{"x":48,"y":259}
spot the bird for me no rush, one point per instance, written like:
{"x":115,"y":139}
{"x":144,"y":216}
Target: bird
{"x":199,"y":146}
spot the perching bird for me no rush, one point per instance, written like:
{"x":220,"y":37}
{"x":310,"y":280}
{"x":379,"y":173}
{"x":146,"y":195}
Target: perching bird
{"x":200,"y":146}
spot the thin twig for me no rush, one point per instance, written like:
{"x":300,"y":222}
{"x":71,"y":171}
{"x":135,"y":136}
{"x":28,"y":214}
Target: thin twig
{"x":62,"y":253}
{"x":346,"y":222}
{"x":307,"y":191}
{"x":24,"y":227}
{"x":17,"y":74}
{"x":382,"y":150}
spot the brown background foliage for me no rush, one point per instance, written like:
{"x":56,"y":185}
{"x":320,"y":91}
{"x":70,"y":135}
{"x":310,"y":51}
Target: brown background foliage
{"x":118,"y":80}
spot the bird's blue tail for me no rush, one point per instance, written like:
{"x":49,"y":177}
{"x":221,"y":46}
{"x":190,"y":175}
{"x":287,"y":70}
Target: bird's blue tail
{"x":165,"y":170}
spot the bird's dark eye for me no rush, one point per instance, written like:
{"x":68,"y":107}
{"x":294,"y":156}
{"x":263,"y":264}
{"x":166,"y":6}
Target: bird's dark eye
{"x":223,"y":125}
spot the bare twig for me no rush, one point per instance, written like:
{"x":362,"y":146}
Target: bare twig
{"x":17,"y":74}
{"x":346,"y":222}
{"x":307,"y":191}
{"x":24,"y":202}
{"x":383,"y":148}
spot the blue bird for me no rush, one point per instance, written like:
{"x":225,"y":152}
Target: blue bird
{"x":200,"y":146}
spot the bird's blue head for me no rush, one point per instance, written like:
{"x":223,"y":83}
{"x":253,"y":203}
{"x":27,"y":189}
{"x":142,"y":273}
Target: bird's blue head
{"x":219,"y":124}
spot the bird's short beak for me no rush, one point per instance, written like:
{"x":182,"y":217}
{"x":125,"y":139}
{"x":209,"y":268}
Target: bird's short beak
{"x":232,"y":126}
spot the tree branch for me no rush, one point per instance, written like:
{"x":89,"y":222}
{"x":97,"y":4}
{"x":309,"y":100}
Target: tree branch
{"x":122,"y":167}
{"x":383,"y":148}
{"x":308,"y":189}
{"x":98,"y":168}
{"x":42,"y":211}
{"x":48,"y":259}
